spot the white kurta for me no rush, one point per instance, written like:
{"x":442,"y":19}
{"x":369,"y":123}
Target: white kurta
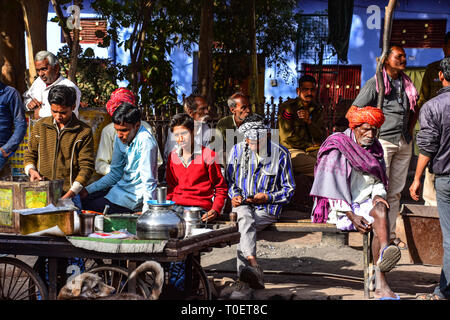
{"x":39,"y":91}
{"x":363,"y":187}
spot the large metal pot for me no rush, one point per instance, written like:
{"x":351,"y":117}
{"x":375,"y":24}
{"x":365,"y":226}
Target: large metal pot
{"x":160,"y":222}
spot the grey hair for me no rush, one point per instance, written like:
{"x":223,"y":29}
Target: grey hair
{"x":51,"y":58}
{"x":232,"y":99}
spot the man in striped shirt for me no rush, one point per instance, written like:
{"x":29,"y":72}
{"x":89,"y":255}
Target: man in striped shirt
{"x":260,"y":180}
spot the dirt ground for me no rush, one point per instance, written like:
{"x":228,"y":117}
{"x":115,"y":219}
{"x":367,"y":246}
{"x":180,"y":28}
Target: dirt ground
{"x":298,"y":266}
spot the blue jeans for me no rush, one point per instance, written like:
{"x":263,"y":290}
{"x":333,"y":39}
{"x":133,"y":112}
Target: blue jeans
{"x":442,"y":185}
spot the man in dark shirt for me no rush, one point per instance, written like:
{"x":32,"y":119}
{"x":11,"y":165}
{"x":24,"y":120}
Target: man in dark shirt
{"x":12,"y":115}
{"x":301,"y":127}
{"x":400,"y":110}
{"x":433,"y":141}
{"x":429,"y":89}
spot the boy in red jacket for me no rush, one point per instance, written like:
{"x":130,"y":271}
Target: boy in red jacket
{"x":193,"y":176}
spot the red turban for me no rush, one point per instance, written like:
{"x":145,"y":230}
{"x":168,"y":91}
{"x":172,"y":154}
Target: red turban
{"x":358,"y":116}
{"x":117,"y":97}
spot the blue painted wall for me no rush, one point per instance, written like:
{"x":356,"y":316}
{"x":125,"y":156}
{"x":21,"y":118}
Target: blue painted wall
{"x":363,"y":48}
{"x":364,"y":43}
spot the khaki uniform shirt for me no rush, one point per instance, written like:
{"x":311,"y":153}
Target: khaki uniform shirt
{"x":295,"y":133}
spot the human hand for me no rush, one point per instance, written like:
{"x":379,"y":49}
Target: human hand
{"x":259,"y":198}
{"x":4,"y":154}
{"x":377,"y":199}
{"x":35,"y":176}
{"x":210,"y":215}
{"x":236,"y":201}
{"x":34,"y":103}
{"x":69,"y":195}
{"x":414,"y":189}
{"x":361,"y":224}
{"x":303,"y":114}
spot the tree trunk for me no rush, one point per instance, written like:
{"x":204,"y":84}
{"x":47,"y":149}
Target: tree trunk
{"x":12,"y":45}
{"x":35,"y":19}
{"x":386,"y":39}
{"x":205,"y":75}
{"x":254,"y":86}
{"x":75,"y":50}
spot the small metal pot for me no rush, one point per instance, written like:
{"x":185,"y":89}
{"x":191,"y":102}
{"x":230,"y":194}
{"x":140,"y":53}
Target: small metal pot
{"x":193,"y":218}
{"x":86,"y":223}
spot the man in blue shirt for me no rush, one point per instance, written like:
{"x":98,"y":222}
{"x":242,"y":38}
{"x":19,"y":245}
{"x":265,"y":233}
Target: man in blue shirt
{"x":12,"y":115}
{"x":133,"y":176}
{"x":260,"y":181}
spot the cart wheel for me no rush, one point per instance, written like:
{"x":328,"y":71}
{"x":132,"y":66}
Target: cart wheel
{"x":201,"y":289}
{"x":18,"y":281}
{"x":117,"y":277}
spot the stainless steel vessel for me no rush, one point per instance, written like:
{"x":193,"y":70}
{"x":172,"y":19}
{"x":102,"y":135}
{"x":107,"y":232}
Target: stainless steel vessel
{"x":160,"y":222}
{"x":193,"y":218}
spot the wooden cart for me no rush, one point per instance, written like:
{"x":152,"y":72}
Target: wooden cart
{"x":20,"y":281}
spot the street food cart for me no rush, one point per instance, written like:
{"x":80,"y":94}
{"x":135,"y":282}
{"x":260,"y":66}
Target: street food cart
{"x":20,"y":281}
{"x":24,"y":231}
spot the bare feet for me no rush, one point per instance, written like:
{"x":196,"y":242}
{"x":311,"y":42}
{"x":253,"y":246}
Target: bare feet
{"x":382,"y":288}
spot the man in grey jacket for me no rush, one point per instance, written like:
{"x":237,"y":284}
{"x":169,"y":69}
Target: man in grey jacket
{"x":433,"y":141}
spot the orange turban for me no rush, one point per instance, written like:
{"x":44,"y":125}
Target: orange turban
{"x":358,"y":116}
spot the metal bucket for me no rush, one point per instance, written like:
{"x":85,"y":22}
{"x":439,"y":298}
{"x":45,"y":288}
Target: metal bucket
{"x":423,"y":234}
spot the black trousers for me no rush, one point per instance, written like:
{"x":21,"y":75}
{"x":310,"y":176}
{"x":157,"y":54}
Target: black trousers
{"x":96,"y":202}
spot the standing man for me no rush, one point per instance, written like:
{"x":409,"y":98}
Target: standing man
{"x":48,"y":69}
{"x":433,"y":141}
{"x":429,"y":89}
{"x":12,"y":115}
{"x":395,"y":135}
{"x":260,"y":181}
{"x":132,"y":179}
{"x":61,"y":146}
{"x":301,"y":126}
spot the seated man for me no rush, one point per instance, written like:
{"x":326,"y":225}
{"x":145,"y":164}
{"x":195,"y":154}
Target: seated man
{"x":349,"y":188}
{"x":260,"y":181}
{"x":133,"y":176}
{"x":61,"y":146}
{"x":193,"y":176}
{"x":240,"y":109}
{"x":301,"y":126}
{"x":105,"y":147}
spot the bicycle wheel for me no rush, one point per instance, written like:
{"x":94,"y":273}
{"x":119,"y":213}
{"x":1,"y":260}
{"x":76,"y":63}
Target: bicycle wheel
{"x":117,"y":277}
{"x":201,"y":289}
{"x":18,"y":281}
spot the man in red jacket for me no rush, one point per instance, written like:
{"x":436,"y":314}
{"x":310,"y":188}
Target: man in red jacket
{"x":192,"y":173}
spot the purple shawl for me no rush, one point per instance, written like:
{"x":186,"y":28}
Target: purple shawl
{"x":408,"y":85}
{"x":336,"y":159}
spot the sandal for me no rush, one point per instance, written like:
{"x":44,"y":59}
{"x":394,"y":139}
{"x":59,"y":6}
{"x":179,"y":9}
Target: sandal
{"x":429,"y":296}
{"x":399,"y":243}
{"x":397,"y":297}
{"x":388,"y":258}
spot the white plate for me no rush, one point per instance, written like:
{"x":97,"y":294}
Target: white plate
{"x":195,"y":232}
